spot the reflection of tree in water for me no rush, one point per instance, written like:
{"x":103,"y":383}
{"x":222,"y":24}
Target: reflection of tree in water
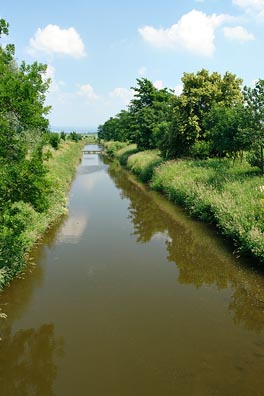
{"x":27,"y":362}
{"x":200,"y":258}
{"x":28,"y":357}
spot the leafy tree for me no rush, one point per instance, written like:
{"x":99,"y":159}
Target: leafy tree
{"x":201,"y":91}
{"x":74,"y":136}
{"x":149,"y":109}
{"x":227,"y":130}
{"x":254,"y":99}
{"x":23,"y":125}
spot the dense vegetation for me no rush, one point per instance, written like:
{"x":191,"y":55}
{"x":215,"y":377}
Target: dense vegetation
{"x":27,"y":184}
{"x":212,"y":117}
{"x":188,"y":146}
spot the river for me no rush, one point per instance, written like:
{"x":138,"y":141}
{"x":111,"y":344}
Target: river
{"x":129,"y":296}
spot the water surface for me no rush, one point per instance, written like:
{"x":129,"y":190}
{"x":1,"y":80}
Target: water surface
{"x":129,"y":296}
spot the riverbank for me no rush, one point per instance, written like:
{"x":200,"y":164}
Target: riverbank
{"x":231,"y":196}
{"x":61,"y":165}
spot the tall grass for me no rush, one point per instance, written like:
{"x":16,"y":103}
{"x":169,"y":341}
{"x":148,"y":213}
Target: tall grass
{"x":144,"y":163}
{"x":215,"y":191}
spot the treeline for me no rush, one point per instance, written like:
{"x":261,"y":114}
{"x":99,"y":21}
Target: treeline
{"x":214,"y":116}
{"x":24,"y":142}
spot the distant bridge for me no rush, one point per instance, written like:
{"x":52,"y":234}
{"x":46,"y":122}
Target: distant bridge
{"x":92,"y":151}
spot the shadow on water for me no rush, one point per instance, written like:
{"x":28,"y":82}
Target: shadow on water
{"x":202,"y":257}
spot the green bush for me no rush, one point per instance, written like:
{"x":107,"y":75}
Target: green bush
{"x":112,"y":147}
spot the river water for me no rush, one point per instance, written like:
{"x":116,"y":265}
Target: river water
{"x":129,"y":296}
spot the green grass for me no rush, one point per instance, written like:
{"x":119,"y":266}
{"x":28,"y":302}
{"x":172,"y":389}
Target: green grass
{"x":61,"y":168}
{"x":112,"y":147}
{"x":215,"y":191}
{"x":144,"y":163}
{"x":125,"y":153}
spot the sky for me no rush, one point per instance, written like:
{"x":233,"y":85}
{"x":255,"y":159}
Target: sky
{"x":96,"y":50}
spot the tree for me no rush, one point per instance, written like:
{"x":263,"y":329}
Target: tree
{"x":227,"y":130}
{"x":254,"y":100}
{"x":149,"y":108}
{"x":201,"y":91}
{"x":23,"y":125}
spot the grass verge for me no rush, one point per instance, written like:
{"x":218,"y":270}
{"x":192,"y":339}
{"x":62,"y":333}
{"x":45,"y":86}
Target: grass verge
{"x":215,"y":191}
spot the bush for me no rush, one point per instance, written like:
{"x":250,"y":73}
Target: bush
{"x":74,"y":136}
{"x":112,"y":147}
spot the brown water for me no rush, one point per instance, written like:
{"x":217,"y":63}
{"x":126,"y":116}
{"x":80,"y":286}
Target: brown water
{"x":131,"y":297}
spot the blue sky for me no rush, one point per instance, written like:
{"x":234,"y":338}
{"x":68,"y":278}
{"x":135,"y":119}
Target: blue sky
{"x":95,"y":50}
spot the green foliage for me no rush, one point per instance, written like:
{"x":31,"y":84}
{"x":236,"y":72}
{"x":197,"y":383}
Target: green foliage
{"x":53,"y":139}
{"x":201,"y":149}
{"x":254,"y":99}
{"x":215,"y":191}
{"x":227,"y":130}
{"x":150,"y":110}
{"x":123,"y":154}
{"x":63,"y":135}
{"x":144,"y":163}
{"x":112,"y":147}
{"x":74,"y":136}
{"x":201,"y":92}
{"x":21,"y":224}
{"x":24,"y":187}
{"x":116,"y":128}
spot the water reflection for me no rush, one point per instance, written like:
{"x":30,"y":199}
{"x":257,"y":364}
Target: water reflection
{"x":28,"y":361}
{"x":201,"y":259}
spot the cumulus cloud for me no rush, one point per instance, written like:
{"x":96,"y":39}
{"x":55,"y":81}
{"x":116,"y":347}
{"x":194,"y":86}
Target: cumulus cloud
{"x":87,"y":91}
{"x":54,"y":40}
{"x":122,"y":93}
{"x":158,"y":84}
{"x":255,"y":7}
{"x":178,"y":89}
{"x":238,"y":33}
{"x":195,"y":32}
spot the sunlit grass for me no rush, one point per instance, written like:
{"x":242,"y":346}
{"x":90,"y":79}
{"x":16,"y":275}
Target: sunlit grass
{"x":218,"y":192}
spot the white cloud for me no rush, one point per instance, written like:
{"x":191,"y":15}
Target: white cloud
{"x":254,"y":7}
{"x":178,"y":89}
{"x":50,"y":72}
{"x":158,"y":84}
{"x":87,"y":91}
{"x":142,"y":71}
{"x":253,"y":4}
{"x":122,"y":93}
{"x":238,"y":33}
{"x":54,"y":40}
{"x":195,"y":32}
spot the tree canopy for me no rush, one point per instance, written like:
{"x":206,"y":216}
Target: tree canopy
{"x":213,"y":116}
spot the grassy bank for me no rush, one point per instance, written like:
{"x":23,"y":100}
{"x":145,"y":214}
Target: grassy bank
{"x":216,"y":191}
{"x":61,"y":168}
